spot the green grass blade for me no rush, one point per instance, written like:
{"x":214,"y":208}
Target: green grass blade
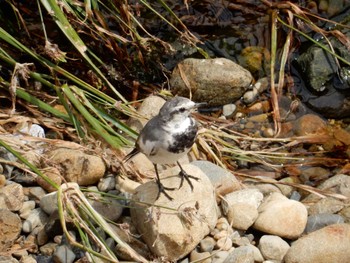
{"x":27,"y":163}
{"x":115,"y":142}
{"x":62,"y":22}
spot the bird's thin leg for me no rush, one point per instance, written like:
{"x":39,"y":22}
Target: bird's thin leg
{"x":161,"y":187}
{"x":186,"y":176}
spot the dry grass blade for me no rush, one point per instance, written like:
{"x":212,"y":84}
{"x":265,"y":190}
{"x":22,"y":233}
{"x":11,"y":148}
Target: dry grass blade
{"x":69,"y":198}
{"x":318,"y":192}
{"x":274,"y":94}
{"x":273,"y":152}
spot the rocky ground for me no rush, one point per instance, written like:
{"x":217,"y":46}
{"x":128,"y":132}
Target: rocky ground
{"x":254,"y":213}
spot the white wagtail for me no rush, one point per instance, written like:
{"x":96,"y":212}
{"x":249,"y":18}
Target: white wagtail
{"x":167,"y":137}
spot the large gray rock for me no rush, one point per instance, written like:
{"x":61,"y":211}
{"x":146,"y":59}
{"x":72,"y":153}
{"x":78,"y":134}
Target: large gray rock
{"x":172,"y":229}
{"x":216,"y":81}
{"x":329,"y":244}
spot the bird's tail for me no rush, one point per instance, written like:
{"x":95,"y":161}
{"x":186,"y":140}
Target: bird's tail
{"x":131,"y":155}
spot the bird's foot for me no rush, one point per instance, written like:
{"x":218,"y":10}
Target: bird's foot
{"x":162,"y":188}
{"x":186,"y":176}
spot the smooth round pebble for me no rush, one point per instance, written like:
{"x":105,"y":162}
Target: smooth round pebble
{"x":258,"y":257}
{"x":224,"y":243}
{"x":221,"y":234}
{"x":107,"y":183}
{"x":228,"y":110}
{"x":222,"y":224}
{"x":273,"y":247}
{"x":207,"y":244}
{"x":281,"y":217}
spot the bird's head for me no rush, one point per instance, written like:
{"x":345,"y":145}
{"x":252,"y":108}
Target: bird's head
{"x":178,"y":108}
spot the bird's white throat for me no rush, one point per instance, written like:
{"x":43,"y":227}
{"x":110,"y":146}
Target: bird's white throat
{"x":178,"y":125}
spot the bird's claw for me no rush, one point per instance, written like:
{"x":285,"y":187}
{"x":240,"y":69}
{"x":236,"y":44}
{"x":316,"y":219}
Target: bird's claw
{"x":186,"y":176}
{"x":162,"y":188}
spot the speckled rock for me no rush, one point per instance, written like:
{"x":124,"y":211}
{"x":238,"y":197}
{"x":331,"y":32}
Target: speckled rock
{"x":192,"y":214}
{"x":10,"y":228}
{"x":329,"y":244}
{"x":216,"y":81}
{"x":12,"y":197}
{"x":77,"y":166}
{"x":54,"y":175}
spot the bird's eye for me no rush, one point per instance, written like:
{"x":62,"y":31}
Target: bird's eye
{"x":182,"y":110}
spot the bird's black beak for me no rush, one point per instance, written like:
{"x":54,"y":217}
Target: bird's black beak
{"x":200,"y":105}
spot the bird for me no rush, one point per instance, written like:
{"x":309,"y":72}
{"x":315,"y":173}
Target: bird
{"x":167,"y":137}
